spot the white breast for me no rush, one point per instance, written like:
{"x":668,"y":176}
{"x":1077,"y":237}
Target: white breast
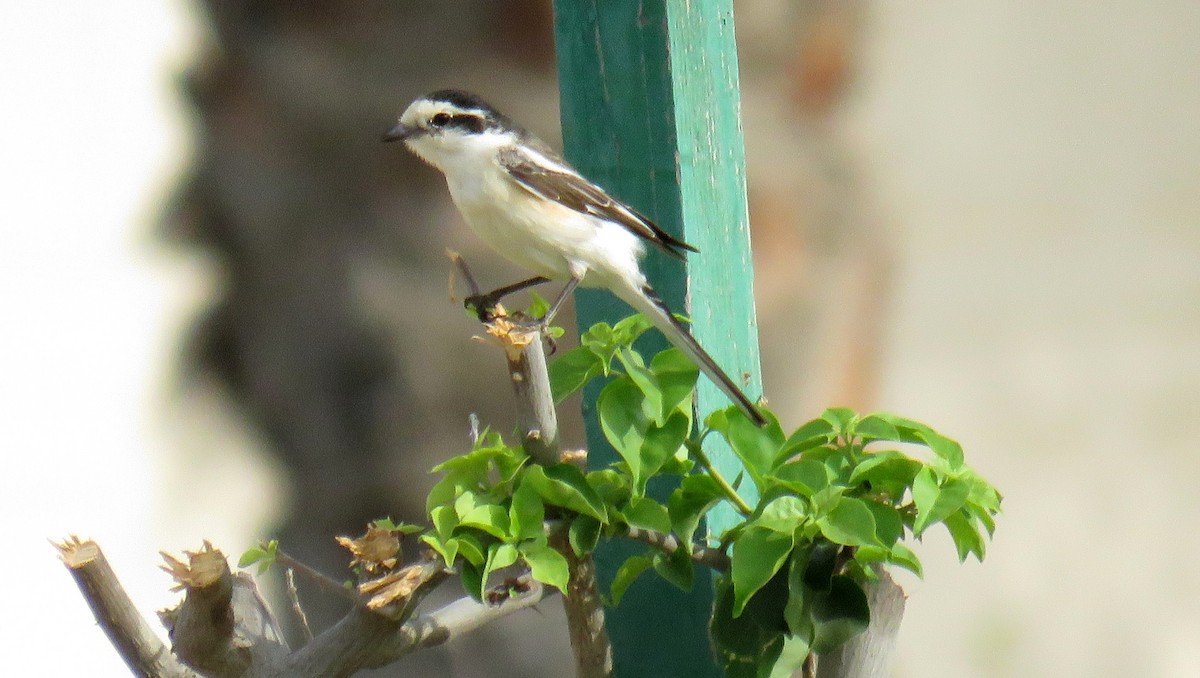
{"x":548,"y":239}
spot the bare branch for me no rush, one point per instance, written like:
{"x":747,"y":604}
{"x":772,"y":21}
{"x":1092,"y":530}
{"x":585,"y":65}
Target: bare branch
{"x":223,"y":626}
{"x":669,"y":543}
{"x":144,"y":653}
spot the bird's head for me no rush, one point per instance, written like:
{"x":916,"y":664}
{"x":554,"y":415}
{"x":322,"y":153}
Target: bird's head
{"x":449,"y":127}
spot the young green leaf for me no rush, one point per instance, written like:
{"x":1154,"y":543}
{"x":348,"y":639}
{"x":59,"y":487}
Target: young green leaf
{"x":659,"y":444}
{"x":915,"y":432}
{"x":619,"y":406}
{"x":474,"y":580}
{"x":935,"y":501}
{"x":546,"y":565}
{"x":644,"y":380}
{"x":756,"y":447}
{"x":584,"y":534}
{"x":965,"y":533}
{"x":676,"y":568}
{"x":782,"y":514}
{"x":488,"y":518}
{"x":470,"y":547}
{"x":696,"y":494}
{"x":676,"y":375}
{"x":841,"y":419}
{"x":629,"y":571}
{"x":850,"y":522}
{"x":571,"y":370}
{"x":815,"y":433}
{"x":446,"y":548}
{"x":526,"y":514}
{"x":648,"y":514}
{"x":805,"y":477}
{"x":873,"y":427}
{"x":564,"y":485}
{"x":758,"y":553}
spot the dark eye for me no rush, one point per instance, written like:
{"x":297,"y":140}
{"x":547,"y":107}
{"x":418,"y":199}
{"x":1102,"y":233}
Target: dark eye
{"x":440,"y":120}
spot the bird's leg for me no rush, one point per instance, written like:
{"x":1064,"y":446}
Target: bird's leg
{"x":562,"y":297}
{"x":483,"y":304}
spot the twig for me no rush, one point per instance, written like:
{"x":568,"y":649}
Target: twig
{"x":297,"y":609}
{"x":538,"y":421}
{"x":322,"y":580}
{"x":697,"y":451}
{"x":144,"y":653}
{"x":669,"y":543}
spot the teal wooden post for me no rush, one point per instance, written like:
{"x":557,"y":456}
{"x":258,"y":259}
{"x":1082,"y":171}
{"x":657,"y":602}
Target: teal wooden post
{"x":650,"y":110}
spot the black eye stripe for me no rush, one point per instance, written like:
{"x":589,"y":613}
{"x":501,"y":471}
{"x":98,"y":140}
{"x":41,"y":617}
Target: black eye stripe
{"x":470,"y":122}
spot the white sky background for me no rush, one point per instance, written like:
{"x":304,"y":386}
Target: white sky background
{"x":1041,"y":160}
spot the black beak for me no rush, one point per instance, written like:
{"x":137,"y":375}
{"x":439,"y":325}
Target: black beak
{"x":400,"y":132}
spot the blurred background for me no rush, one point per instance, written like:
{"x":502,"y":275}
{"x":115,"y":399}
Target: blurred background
{"x":225,"y":308}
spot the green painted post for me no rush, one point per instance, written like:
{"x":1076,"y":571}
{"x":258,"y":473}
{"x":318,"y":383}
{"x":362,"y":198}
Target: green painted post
{"x":650,"y":110}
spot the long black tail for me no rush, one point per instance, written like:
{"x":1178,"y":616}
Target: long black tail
{"x":649,"y":304}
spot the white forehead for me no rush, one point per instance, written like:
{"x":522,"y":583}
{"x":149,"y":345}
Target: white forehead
{"x":424,"y":109}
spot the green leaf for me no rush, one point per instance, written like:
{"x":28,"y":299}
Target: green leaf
{"x":758,"y":553}
{"x":967,"y":540}
{"x":889,"y":527}
{"x":750,"y":644}
{"x":564,"y":485}
{"x":934,"y":501}
{"x":612,"y":486}
{"x":446,"y":548}
{"x":676,"y":568}
{"x":821,"y":564}
{"x":915,"y":432}
{"x":796,"y":610}
{"x":873,"y":427}
{"x":444,"y":519}
{"x":584,"y":534}
{"x":783,"y":515}
{"x":689,"y":503}
{"x":265,"y":555}
{"x":889,"y":470}
{"x":905,"y":557}
{"x":470,"y":548}
{"x":526,"y":514}
{"x":676,"y":375}
{"x":619,"y":406}
{"x":804,"y":477}
{"x":571,"y":370}
{"x":599,"y":340}
{"x":658,"y":445}
{"x":629,"y":571}
{"x":628,"y":329}
{"x":755,"y":447}
{"x":489,"y":518}
{"x":840,"y":418}
{"x":839,"y":614}
{"x":815,"y":433}
{"x":791,"y":657}
{"x":648,"y":514}
{"x":644,"y":380}
{"x":473,"y":579}
{"x":501,"y":556}
{"x":850,"y":522}
{"x":546,"y":565}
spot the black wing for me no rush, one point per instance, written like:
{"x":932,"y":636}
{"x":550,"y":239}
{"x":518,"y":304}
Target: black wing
{"x":560,"y":183}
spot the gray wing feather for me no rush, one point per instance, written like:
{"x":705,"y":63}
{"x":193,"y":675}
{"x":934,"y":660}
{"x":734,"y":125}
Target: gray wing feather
{"x":566,"y":186}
